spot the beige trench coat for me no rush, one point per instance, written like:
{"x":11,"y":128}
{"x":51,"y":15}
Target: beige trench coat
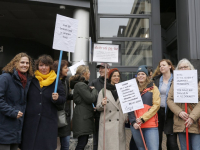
{"x":115,"y":138}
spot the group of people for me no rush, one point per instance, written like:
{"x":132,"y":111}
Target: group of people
{"x":29,"y":105}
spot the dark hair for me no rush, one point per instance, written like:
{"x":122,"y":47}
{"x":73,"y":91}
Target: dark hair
{"x":45,"y":59}
{"x":149,"y":70}
{"x":63,"y":64}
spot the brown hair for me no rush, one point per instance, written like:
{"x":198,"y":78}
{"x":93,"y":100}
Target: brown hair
{"x":45,"y":59}
{"x":79,"y":73}
{"x":63,"y":64}
{"x":141,"y":88}
{"x":9,"y":68}
{"x":157,"y":70}
{"x":111,"y":72}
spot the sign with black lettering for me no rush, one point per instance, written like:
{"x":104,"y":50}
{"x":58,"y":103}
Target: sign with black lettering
{"x":185,"y":86}
{"x":129,"y":96}
{"x":65,"y":33}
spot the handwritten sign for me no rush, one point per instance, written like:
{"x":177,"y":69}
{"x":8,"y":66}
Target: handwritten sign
{"x":129,"y":96}
{"x":185,"y":86}
{"x":105,"y":53}
{"x":65,"y":33}
{"x":74,"y":67}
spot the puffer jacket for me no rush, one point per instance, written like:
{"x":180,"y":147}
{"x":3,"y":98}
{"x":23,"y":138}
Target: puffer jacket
{"x":176,"y":108}
{"x":148,"y":114}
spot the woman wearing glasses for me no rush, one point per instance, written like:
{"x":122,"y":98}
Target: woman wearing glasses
{"x":183,"y":119}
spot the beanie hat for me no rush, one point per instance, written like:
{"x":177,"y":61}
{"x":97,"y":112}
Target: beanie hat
{"x":111,"y":71}
{"x":143,"y":68}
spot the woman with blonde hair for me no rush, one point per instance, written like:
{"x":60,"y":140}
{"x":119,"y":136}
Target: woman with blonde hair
{"x":84,"y":96}
{"x":182,"y":120}
{"x":163,"y":77}
{"x":14,"y":85}
{"x":40,"y":128}
{"x":147,"y":118}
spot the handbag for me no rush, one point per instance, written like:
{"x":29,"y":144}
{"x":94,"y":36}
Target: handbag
{"x":62,"y":118}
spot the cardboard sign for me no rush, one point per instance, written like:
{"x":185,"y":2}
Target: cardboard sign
{"x":185,"y":86}
{"x":105,"y":53}
{"x":65,"y":33}
{"x":129,"y":96}
{"x":74,"y":67}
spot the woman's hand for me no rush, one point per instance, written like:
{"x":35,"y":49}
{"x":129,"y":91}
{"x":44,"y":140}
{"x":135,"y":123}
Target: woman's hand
{"x":189,"y":122}
{"x":139,"y":121}
{"x":92,"y":87}
{"x":55,"y":96}
{"x":20,"y":114}
{"x":183,"y":115}
{"x":104,"y":101}
{"x":136,"y":126}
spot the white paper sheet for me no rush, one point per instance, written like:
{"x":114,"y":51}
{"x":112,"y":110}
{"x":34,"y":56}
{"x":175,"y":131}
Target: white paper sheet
{"x":65,"y":33}
{"x":74,"y":67}
{"x":129,"y":96}
{"x":185,"y":86}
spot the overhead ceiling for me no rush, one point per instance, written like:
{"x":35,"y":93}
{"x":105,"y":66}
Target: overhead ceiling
{"x":30,"y":20}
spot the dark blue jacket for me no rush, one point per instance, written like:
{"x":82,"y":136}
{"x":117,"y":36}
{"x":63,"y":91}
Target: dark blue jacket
{"x":12,"y":100}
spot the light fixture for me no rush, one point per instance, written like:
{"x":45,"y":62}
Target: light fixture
{"x":146,"y":35}
{"x":62,"y":7}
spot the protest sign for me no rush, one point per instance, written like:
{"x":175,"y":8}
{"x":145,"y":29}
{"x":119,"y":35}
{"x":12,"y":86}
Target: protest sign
{"x":74,"y":67}
{"x":129,"y":96}
{"x":105,"y":53}
{"x":185,"y":86}
{"x":65,"y":33}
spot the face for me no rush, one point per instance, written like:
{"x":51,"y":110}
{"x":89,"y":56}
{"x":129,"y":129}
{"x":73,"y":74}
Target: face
{"x":64,"y":71}
{"x":183,"y":66}
{"x":141,"y":77}
{"x":115,"y":78}
{"x":87,"y":75}
{"x":102,"y":71}
{"x":44,"y":69}
{"x":23,"y":65}
{"x":164,"y":67}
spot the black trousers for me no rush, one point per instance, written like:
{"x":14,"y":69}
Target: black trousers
{"x":96,"y":134}
{"x":82,"y":142}
{"x":171,"y":142}
{"x":132,"y":145}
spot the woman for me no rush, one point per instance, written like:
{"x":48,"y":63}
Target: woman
{"x":163,"y":77}
{"x":64,"y":132}
{"x":147,"y":118}
{"x":115,"y":138}
{"x":183,"y":119}
{"x":40,"y":125}
{"x":14,"y":84}
{"x":84,"y":96}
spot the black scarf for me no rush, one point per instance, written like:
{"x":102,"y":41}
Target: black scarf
{"x":81,"y":79}
{"x":113,"y":90}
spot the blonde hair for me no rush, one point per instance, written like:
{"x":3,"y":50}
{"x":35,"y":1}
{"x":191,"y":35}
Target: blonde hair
{"x":81,"y":70}
{"x":9,"y":68}
{"x":184,"y":60}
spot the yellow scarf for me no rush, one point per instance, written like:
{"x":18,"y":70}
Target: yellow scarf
{"x":45,"y":80}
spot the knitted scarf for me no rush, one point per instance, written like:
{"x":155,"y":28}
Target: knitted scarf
{"x":23,"y":78}
{"x":45,"y":80}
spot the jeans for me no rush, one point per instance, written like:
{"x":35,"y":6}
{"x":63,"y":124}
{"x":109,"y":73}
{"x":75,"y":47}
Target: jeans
{"x":82,"y":142}
{"x":150,"y":135}
{"x":64,"y":142}
{"x":194,"y":141}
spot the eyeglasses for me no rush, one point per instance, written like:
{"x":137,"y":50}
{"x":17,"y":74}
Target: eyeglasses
{"x":183,"y":67}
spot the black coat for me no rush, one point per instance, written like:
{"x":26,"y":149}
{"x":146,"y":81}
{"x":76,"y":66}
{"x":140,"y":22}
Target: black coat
{"x":168,"y":125}
{"x":66,"y":130}
{"x":83,"y":116}
{"x":98,"y":84}
{"x":40,"y":124}
{"x":12,"y":100}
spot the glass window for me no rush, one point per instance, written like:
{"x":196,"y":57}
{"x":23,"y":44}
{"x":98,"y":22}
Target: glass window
{"x":124,"y":27}
{"x":132,"y":53}
{"x":124,"y":6}
{"x":127,"y":76}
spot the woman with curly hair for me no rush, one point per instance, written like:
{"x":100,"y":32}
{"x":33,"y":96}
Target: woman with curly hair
{"x":14,"y":85}
{"x":163,"y":77}
{"x":41,"y":121}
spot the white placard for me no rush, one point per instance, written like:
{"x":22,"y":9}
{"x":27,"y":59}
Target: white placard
{"x":185,"y":86}
{"x":129,"y":96}
{"x":74,"y":67}
{"x":105,"y":53}
{"x":65,"y":33}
